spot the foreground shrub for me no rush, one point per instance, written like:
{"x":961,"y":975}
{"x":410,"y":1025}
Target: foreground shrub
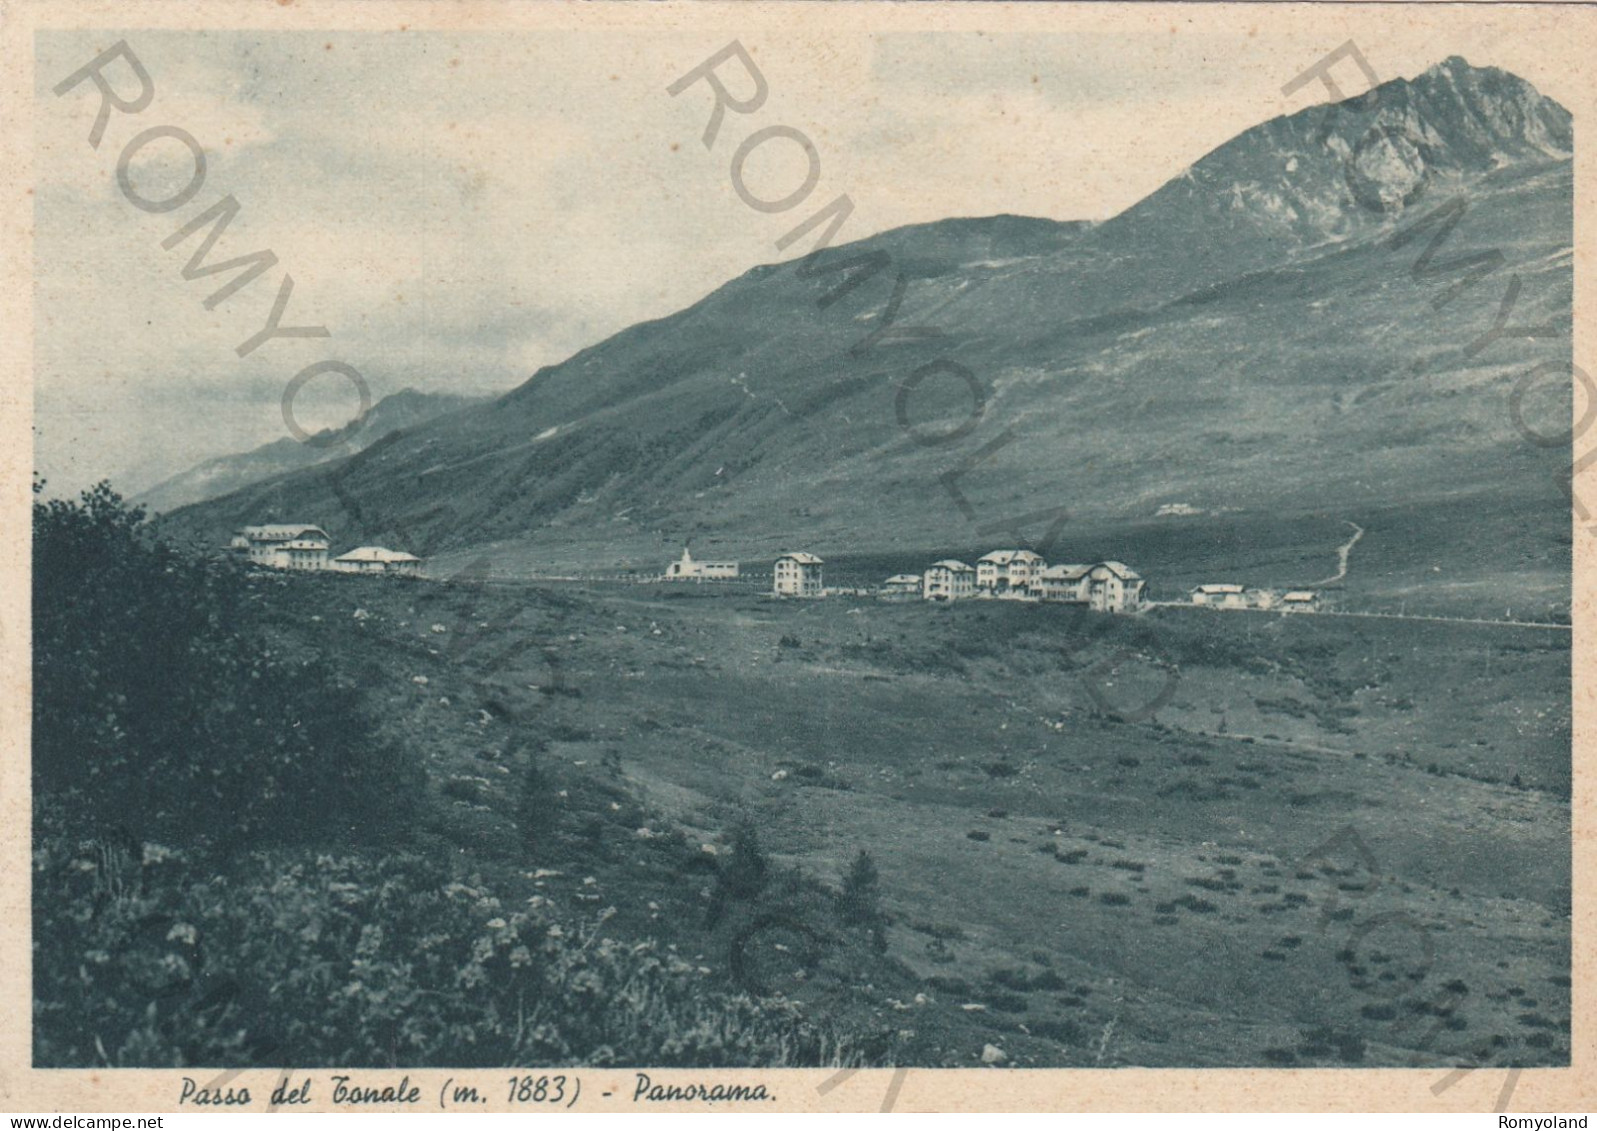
{"x":743,"y":877}
{"x":859,"y":901}
{"x":365,"y":961}
{"x":163,"y":710}
{"x":537,"y":805}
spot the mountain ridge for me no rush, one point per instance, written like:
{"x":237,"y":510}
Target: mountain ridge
{"x":1250,"y":316}
{"x":221,"y":475}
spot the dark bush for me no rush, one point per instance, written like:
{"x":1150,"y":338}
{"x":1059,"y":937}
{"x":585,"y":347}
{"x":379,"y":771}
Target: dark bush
{"x":469,"y":790}
{"x":1007,"y":1003}
{"x":163,"y":710}
{"x":1065,"y":1032}
{"x":537,"y":808}
{"x":371,"y":960}
{"x":743,"y":877}
{"x":1009,"y":979}
{"x":859,"y":901}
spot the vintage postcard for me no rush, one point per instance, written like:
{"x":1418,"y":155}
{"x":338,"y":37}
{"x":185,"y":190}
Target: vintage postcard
{"x":797,"y":557}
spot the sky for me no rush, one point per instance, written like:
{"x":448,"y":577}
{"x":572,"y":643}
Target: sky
{"x":461,"y":209}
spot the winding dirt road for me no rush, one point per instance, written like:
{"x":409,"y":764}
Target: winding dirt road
{"x":1342,"y":553}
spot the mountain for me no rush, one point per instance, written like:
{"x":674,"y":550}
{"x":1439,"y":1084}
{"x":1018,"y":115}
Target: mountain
{"x":1271,"y":332}
{"x":226,"y":474}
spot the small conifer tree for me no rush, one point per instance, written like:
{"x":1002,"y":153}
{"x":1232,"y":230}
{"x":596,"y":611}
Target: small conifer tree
{"x":859,"y":903}
{"x":744,"y":876}
{"x":537,"y":810}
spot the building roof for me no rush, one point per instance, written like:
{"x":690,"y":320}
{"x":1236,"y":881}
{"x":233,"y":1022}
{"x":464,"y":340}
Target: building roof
{"x":282,"y":532}
{"x":376,"y":554}
{"x":801,"y":557}
{"x":1226,"y":588}
{"x":685,"y":562}
{"x":1120,"y":570}
{"x":1299,"y":595}
{"x":951,"y":564}
{"x":1004,"y":557}
{"x":1065,"y":572}
{"x":306,"y":544}
{"x":903,"y":579}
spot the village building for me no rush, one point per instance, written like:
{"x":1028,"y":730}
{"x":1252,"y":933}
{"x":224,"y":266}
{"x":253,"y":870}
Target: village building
{"x":949,"y":580}
{"x":1008,"y":572}
{"x":378,"y":559}
{"x":1060,"y":583}
{"x":293,"y":545}
{"x":1300,"y":601}
{"x":902,"y":585}
{"x":1220,"y":596}
{"x":306,"y":553}
{"x":797,"y":575}
{"x":1114,"y":587}
{"x":687,"y":569}
{"x":1111,"y":587}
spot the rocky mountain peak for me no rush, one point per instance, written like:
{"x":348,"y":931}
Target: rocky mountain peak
{"x":1334,"y":170}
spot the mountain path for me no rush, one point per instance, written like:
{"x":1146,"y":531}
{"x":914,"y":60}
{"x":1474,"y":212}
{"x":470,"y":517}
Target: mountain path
{"x":1342,"y":553}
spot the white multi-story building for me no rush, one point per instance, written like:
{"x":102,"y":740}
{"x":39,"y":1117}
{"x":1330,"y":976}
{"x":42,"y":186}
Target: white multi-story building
{"x":1114,"y":587}
{"x":1060,"y":583}
{"x":290,"y":545}
{"x":948,"y":580}
{"x":1008,"y":572}
{"x":797,"y":575}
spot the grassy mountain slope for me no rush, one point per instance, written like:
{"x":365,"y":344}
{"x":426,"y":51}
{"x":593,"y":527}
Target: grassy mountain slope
{"x":1250,"y":338}
{"x":226,"y":474}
